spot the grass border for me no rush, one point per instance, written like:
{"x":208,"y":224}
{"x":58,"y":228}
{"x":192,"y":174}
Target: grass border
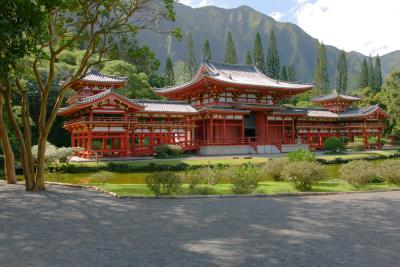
{"x":293,"y":194}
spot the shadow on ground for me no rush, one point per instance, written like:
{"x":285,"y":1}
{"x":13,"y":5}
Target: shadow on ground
{"x":71,"y":227}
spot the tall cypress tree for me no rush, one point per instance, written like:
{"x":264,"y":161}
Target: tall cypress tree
{"x":206,"y":54}
{"x":364,"y":77}
{"x":273,"y":65}
{"x":284,"y":75}
{"x":169,"y":72}
{"x":291,"y":74}
{"x":190,"y":56}
{"x":249,"y":61}
{"x":371,"y":73}
{"x":378,"y":73}
{"x":321,"y":69}
{"x":342,"y":73}
{"x":230,"y":52}
{"x":258,"y":54}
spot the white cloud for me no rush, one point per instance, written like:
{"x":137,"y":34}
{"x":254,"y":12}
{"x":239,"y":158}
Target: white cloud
{"x":276,"y":15}
{"x":367,"y":26}
{"x":196,"y":3}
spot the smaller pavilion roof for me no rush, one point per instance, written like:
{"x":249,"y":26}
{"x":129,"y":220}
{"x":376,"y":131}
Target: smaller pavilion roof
{"x":95,"y":76}
{"x":359,"y":112}
{"x":165,"y":106}
{"x":334,"y":96}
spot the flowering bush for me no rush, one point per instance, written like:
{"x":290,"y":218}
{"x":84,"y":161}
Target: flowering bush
{"x":274,"y":167}
{"x":358,"y":173}
{"x":244,"y":178}
{"x":303,"y":174}
{"x":301,"y":155}
{"x":389,"y":170}
{"x":163,"y":183}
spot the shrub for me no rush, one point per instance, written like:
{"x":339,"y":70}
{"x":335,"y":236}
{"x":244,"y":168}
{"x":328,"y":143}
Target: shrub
{"x":333,"y":144}
{"x":273,"y":168}
{"x":101,"y":176}
{"x":356,"y":146}
{"x":389,"y":170}
{"x":168,"y":151}
{"x":301,"y":155}
{"x":358,"y":173}
{"x":163,"y":183}
{"x":244,"y":178}
{"x":303,"y":174}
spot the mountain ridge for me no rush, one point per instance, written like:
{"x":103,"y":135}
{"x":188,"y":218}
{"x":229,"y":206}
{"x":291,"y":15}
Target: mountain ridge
{"x":296,"y":47}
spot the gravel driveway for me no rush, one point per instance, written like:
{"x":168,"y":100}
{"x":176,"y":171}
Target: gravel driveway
{"x":77,"y":227}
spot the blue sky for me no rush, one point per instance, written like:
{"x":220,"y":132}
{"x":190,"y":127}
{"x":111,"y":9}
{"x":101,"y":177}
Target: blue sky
{"x":365,"y":26}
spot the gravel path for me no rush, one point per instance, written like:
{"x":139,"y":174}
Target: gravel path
{"x":74,"y":227}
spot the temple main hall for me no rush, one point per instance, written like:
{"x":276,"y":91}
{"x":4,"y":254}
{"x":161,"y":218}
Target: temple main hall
{"x":226,"y":109}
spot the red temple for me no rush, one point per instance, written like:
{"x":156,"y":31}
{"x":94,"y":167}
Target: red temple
{"x":225,"y":109}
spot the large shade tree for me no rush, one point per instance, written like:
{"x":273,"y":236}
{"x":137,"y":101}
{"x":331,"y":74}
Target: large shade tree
{"x":50,"y":28}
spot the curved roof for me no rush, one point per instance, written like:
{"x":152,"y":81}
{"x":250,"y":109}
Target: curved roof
{"x":236,"y":74}
{"x":165,"y":106}
{"x":335,"y":96}
{"x":94,"y":75}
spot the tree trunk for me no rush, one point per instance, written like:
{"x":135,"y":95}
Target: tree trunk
{"x":41,"y":163}
{"x":9,"y":162}
{"x":25,"y":160}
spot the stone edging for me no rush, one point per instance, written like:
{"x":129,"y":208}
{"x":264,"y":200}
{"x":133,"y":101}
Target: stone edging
{"x":298,"y":194}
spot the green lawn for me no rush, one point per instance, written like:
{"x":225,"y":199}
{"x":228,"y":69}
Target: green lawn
{"x":224,"y":189}
{"x":359,"y":155}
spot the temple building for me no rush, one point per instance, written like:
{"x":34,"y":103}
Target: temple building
{"x":225,"y":109}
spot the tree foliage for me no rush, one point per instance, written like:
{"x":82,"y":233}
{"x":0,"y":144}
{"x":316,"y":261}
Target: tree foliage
{"x":284,"y":75}
{"x":258,"y":54}
{"x":391,"y":92}
{"x":273,"y":64}
{"x":190,"y":56}
{"x":249,"y":60}
{"x":364,"y":75}
{"x":291,"y":74}
{"x":230,"y":51}
{"x":342,"y":74}
{"x":321,"y":79}
{"x":206,"y":53}
{"x":378,"y":74}
{"x":39,"y":32}
{"x":169,"y":72}
{"x":371,"y":73}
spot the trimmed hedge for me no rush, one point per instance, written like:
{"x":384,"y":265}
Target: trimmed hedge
{"x":333,"y":144}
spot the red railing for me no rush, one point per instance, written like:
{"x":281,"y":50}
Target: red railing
{"x":127,"y":120}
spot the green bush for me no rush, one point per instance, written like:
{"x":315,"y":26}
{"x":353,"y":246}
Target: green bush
{"x":163,"y":183}
{"x":301,"y":155}
{"x":333,"y":144}
{"x":273,"y":168}
{"x":244,"y":178}
{"x":356,"y":146}
{"x":168,"y":151}
{"x":389,"y":170}
{"x":359,"y":173}
{"x":303,"y":174}
{"x":202,"y":190}
{"x":206,"y":175}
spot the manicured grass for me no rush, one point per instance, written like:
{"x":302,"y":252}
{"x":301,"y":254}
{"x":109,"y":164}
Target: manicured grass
{"x":270,"y":187}
{"x":359,"y":155}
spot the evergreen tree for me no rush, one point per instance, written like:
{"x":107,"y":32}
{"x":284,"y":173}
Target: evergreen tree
{"x":291,"y":74}
{"x":273,"y":65}
{"x":342,"y":73}
{"x":249,"y":61}
{"x":378,"y":74}
{"x":321,"y":69}
{"x":371,"y":73}
{"x":258,"y":54}
{"x":364,"y":77}
{"x":230,"y":52}
{"x":206,"y":54}
{"x":284,"y":76}
{"x":190,"y":56}
{"x":390,"y":91}
{"x":169,"y":72}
